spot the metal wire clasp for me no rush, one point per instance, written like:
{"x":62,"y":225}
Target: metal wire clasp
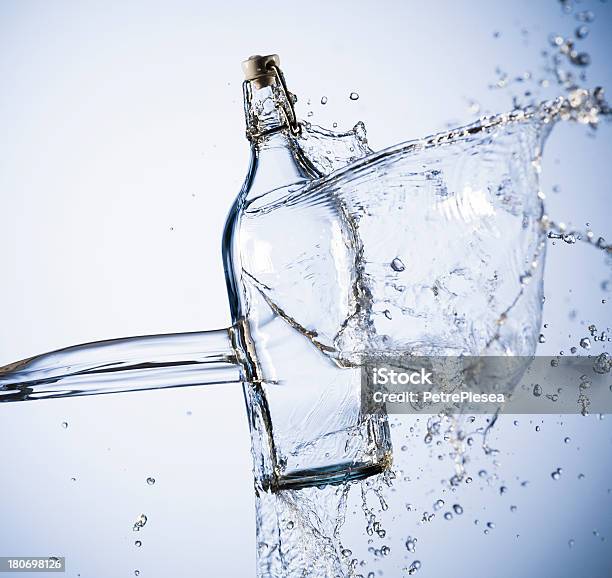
{"x":289,"y":100}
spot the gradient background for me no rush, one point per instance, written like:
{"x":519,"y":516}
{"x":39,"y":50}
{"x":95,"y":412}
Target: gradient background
{"x":121,"y":149}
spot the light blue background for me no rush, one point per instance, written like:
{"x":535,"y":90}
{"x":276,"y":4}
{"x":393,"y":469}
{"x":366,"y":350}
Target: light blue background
{"x":121,"y":148}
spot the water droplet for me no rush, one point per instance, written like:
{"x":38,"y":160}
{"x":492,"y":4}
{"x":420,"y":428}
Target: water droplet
{"x":354,"y":96}
{"x":323,"y":100}
{"x":138,"y":543}
{"x":387,"y":314}
{"x":414,"y":567}
{"x":139,"y":523}
{"x":411,"y":544}
{"x":290,"y":525}
{"x":571,"y":543}
{"x":150,"y":481}
{"x":438,"y":504}
{"x":448,"y":516}
{"x":503,"y":490}
{"x":585,"y":16}
{"x":567,"y":440}
{"x":458,"y":509}
{"x":537,"y":390}
{"x":582,"y":32}
{"x":490,"y":525}
{"x":398,"y":265}
{"x":581,"y":59}
{"x":585,"y":343}
{"x":65,"y":424}
{"x":556,"y":474}
{"x":542,"y":339}
{"x":346,"y":552}
{"x":136,"y":572}
{"x":513,"y":508}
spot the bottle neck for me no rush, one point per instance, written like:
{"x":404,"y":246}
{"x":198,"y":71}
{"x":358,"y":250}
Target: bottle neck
{"x":271,"y":128}
{"x":268,"y":109}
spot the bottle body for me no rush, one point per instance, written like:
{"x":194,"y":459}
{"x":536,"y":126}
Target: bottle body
{"x":304,"y":406}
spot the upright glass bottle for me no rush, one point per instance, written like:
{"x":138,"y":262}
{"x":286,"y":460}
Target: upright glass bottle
{"x":289,"y":263}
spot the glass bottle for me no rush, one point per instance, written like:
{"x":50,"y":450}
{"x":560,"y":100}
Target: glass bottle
{"x":304,"y":406}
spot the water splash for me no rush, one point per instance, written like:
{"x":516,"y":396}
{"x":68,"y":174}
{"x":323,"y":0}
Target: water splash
{"x":305,"y":531}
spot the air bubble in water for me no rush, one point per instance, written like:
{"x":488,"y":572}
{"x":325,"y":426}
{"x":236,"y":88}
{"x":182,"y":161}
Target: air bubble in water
{"x":323,"y":100}
{"x":139,"y":523}
{"x":556,"y":474}
{"x":438,"y":504}
{"x":150,"y":481}
{"x":411,"y":544}
{"x":354,"y":96}
{"x":537,"y":390}
{"x":65,"y":424}
{"x":398,"y":265}
{"x":458,"y":509}
{"x":138,"y":543}
{"x":585,"y":343}
{"x":542,"y":339}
